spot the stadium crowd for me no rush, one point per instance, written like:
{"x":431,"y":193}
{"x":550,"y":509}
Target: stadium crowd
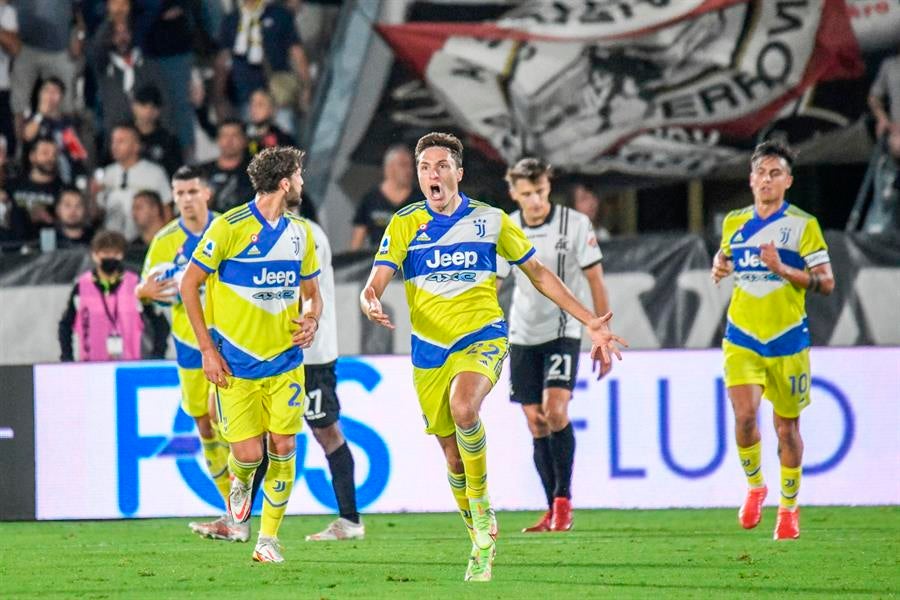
{"x":102,"y":100}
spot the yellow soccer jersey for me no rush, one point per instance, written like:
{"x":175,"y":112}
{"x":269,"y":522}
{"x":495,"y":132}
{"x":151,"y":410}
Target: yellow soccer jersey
{"x":767,"y":313}
{"x":449,"y":265}
{"x":175,"y":244}
{"x":253,"y":291}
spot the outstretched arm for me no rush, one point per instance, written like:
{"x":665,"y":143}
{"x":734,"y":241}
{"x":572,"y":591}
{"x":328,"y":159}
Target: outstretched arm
{"x":603,"y":340}
{"x":370,"y":297}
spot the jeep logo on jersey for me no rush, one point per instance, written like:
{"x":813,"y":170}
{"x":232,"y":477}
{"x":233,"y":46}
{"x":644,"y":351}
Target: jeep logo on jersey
{"x":267,"y":277}
{"x":750,"y":260}
{"x":465,"y":259}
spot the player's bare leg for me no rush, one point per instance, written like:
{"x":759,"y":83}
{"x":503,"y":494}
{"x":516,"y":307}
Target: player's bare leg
{"x":467,"y":392}
{"x":745,"y":400}
{"x":543,"y":462}
{"x":562,"y":448}
{"x":223,"y":528}
{"x":790,"y":454}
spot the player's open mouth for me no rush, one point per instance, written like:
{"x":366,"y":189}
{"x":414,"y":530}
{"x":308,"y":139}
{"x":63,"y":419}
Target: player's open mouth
{"x":435,"y":192}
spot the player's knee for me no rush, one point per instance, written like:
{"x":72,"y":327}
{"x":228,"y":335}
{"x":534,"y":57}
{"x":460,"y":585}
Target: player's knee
{"x":463,"y":413}
{"x":788,"y":431}
{"x":282,"y":445}
{"x":745,"y":425}
{"x":247,"y":453}
{"x":329,"y":438}
{"x":204,"y":427}
{"x":557,"y":418}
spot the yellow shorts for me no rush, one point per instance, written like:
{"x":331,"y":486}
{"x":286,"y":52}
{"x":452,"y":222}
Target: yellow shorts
{"x":785,"y":379}
{"x":433,"y":385}
{"x":249,"y":407}
{"x":195,"y":390}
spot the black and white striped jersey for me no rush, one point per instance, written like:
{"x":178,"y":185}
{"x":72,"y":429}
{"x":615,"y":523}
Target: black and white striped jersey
{"x":565,"y":242}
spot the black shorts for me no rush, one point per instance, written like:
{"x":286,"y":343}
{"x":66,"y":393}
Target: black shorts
{"x":553,"y":364}
{"x":324,"y":408}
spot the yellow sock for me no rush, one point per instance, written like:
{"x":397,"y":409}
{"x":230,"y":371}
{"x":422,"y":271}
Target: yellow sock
{"x":751,"y":461}
{"x":241,"y":470}
{"x":277,"y":491}
{"x":215,"y":451}
{"x":790,"y":486}
{"x":458,"y":487}
{"x":472,"y":445}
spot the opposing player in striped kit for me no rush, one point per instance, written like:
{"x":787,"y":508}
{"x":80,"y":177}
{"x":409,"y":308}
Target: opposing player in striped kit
{"x":544,"y":340}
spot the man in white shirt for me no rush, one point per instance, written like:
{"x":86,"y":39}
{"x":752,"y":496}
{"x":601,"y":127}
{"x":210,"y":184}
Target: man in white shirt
{"x":125,"y":177}
{"x":544,"y":340}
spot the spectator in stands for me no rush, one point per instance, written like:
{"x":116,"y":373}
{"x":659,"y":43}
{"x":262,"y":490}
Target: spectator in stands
{"x":174,"y":25}
{"x":125,"y":177}
{"x":37,"y":191}
{"x":149,"y":214}
{"x":49,"y":121}
{"x":103,"y":313}
{"x":586,"y":201}
{"x":380,"y":203}
{"x":157,"y":143}
{"x":260,"y":48}
{"x":9,"y":47}
{"x":263,"y":132}
{"x":72,"y":230}
{"x":227,"y":175}
{"x":887,"y":87}
{"x":120,"y":69}
{"x":51,"y":45}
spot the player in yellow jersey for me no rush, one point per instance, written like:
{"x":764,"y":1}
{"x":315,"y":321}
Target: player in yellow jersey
{"x":446,"y":248}
{"x":259,"y":263}
{"x":167,"y":258}
{"x":776,"y":252}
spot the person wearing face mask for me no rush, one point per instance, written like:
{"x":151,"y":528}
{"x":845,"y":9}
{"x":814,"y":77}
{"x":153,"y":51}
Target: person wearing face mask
{"x":103,"y":315}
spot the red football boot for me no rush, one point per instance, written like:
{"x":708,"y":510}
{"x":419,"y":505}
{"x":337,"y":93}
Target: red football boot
{"x":542,"y":525}
{"x":787,"y":525}
{"x":751,"y":512}
{"x":562,"y":515}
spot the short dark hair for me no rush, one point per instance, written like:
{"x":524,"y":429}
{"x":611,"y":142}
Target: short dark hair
{"x":441,"y":140}
{"x":42,"y":140}
{"x":55,"y":81}
{"x":188,"y":172}
{"x":529,"y":168}
{"x":126,"y":125}
{"x":776,"y":148}
{"x":70,"y":189}
{"x":272,"y":165}
{"x":108,"y":240}
{"x":149,"y":94}
{"x":154,"y":198}
{"x":231,"y":122}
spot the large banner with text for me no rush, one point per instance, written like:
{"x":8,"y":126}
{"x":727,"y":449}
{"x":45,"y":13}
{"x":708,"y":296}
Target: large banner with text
{"x":111,"y":441}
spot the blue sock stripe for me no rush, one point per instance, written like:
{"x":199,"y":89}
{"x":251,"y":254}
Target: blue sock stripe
{"x":470,"y":431}
{"x":474,"y":447}
{"x":457,"y":483}
{"x":244,"y":465}
{"x":274,"y":504}
{"x":280,"y":458}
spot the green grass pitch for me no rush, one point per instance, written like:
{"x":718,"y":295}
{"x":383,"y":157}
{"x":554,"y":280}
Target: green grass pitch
{"x":843,"y":552}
